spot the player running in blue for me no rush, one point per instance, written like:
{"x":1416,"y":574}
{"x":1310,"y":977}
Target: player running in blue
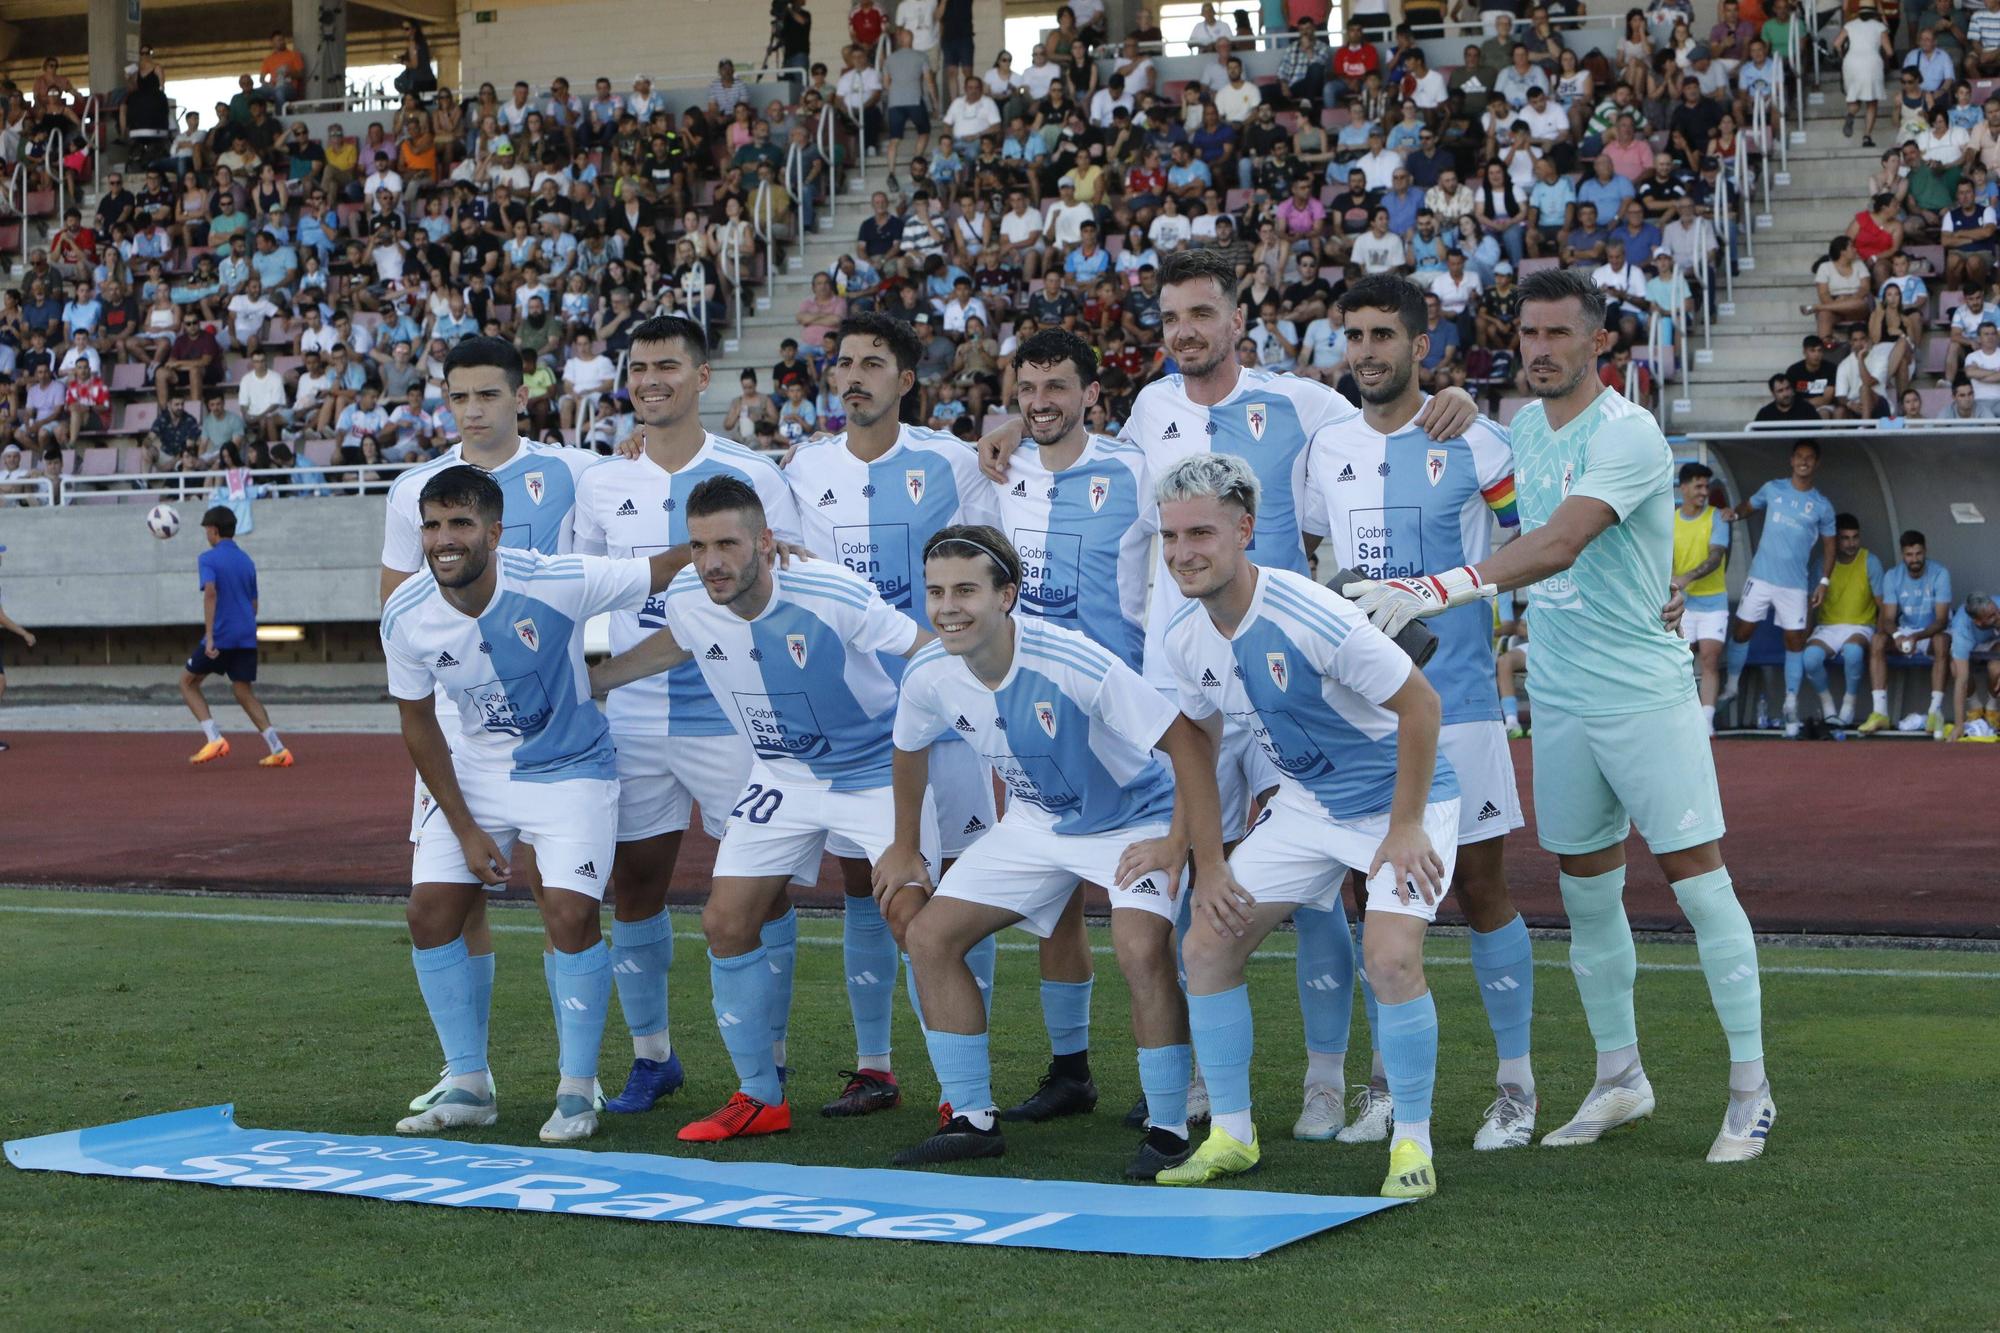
{"x":538,"y":484}
{"x":1391,"y":501}
{"x":501,"y":632}
{"x":868,"y":499}
{"x":1618,"y":737}
{"x":794,"y":656}
{"x":676,"y":748}
{"x":1072,"y":731}
{"x":1916,"y":613}
{"x":1351,"y":726}
{"x":228,"y":640}
{"x":1079,"y":511}
{"x":1796,"y":519}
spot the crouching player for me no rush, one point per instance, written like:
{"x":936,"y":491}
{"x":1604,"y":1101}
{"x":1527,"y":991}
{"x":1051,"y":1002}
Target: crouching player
{"x":791,"y":653}
{"x":1352,"y":727}
{"x":502,"y":632}
{"x":1072,"y":730}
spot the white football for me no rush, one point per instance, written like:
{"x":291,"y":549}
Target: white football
{"x":163,"y":521}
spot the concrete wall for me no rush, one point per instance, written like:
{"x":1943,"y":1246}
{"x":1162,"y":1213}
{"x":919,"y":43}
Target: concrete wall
{"x":98,"y":566}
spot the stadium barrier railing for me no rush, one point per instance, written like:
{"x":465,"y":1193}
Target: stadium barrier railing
{"x":336,"y":478}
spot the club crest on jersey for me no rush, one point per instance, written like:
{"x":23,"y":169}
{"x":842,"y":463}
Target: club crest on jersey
{"x":795,"y":644}
{"x":1434,"y":465}
{"x":1045,"y":714}
{"x":1569,"y":478}
{"x":525,"y":631}
{"x":913,"y":482}
{"x":1259,"y":416}
{"x":1100,"y":491}
{"x":533,"y":481}
{"x":1281,"y":670}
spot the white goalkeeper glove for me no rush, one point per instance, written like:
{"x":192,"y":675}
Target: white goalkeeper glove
{"x":1393,"y":603}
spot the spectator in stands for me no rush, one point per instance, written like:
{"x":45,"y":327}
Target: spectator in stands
{"x":1982,"y":368}
{"x":1864,"y":46}
{"x":1844,"y":286}
{"x":1812,"y":377}
{"x":1786,"y":404}
{"x":174,"y":439}
{"x":1968,"y":235}
{"x":1916,"y":613}
{"x":1975,"y":628}
{"x":1858,"y":392}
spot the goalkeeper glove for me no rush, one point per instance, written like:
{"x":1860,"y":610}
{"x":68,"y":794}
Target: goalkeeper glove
{"x":1394,"y":603}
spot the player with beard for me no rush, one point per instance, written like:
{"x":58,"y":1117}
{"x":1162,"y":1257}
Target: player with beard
{"x":1389,"y":499}
{"x":1619,"y":737}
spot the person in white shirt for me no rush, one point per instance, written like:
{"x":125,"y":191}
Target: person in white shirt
{"x":1002,"y":79}
{"x":261,"y":398}
{"x":859,"y":89}
{"x":1208,"y":31}
{"x":1107,"y":99}
{"x":1622,"y":283}
{"x":1982,"y":367}
{"x":1134,"y":68}
{"x":382,"y":177}
{"x":587,"y":373}
{"x":920,"y":17}
{"x":1455,"y":288}
{"x":1170,"y":230}
{"x":1238,"y":98}
{"x":1066,"y":218}
{"x":971,"y":114}
{"x":1040,"y":73}
{"x":1378,"y":250}
{"x":1215,"y":76}
{"x":1548,"y":123}
{"x":962,"y":306}
{"x":1021,"y":234}
{"x":1379,"y":164}
{"x":249,"y":311}
{"x":1323,"y":350}
{"x":1430,"y":91}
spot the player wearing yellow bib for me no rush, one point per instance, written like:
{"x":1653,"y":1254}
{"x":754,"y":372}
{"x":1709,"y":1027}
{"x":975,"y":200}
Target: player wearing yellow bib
{"x":1846,"y":618}
{"x":1701,"y":553}
{"x":1618,"y":736}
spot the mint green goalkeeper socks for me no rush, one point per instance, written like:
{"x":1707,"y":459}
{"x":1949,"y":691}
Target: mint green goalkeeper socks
{"x":1728,"y":959}
{"x":1601,"y":955}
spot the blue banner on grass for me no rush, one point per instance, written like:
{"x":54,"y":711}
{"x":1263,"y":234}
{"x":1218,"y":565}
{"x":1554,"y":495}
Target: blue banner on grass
{"x":206,"y":1146}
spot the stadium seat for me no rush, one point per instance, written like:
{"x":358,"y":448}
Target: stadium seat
{"x":131,"y":458}
{"x":319,"y":452}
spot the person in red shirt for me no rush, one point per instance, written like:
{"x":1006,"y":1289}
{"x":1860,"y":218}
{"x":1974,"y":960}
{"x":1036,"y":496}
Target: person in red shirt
{"x":1146,"y":186}
{"x":865,"y":24}
{"x":73,"y":250}
{"x":88,"y":400}
{"x":1352,"y":62}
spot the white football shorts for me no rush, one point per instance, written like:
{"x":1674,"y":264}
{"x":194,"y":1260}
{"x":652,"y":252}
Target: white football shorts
{"x":1787,"y":606}
{"x":572,"y":825}
{"x":777,"y":828}
{"x":1293,"y":856}
{"x":1489,"y":803}
{"x":1033,"y":871}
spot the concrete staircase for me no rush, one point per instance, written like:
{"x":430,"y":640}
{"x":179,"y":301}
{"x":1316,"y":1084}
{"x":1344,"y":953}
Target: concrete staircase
{"x":1759,"y":330}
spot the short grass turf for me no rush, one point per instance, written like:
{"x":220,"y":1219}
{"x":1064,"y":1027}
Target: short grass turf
{"x":1877,"y":1205}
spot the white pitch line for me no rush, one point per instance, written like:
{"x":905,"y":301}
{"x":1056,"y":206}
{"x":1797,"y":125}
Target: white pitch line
{"x":1010,"y":946}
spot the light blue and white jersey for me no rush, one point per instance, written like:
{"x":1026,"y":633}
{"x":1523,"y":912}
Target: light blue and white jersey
{"x":1267,"y":419}
{"x":1071,"y":729}
{"x":803,"y":681}
{"x":1307,"y":675}
{"x":1085,"y":537}
{"x":1794,"y":523}
{"x":633,"y":506}
{"x":538,"y":484}
{"x":1916,"y":596}
{"x":1400,"y":504}
{"x":874,"y":517}
{"x":1968,"y":636}
{"x":514,"y":674}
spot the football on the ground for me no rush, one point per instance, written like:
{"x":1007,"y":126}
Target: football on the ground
{"x":163,"y":521}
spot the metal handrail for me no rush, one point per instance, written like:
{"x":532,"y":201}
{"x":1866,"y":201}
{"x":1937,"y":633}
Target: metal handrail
{"x":26,"y":498}
{"x":1760,"y":122}
{"x":1445,"y":31}
{"x":730,"y":258}
{"x":1704,"y":273}
{"x":178,"y":485}
{"x":16,"y":196}
{"x":93,"y":127}
{"x":1743,"y":190}
{"x":52,"y":163}
{"x":1725,"y":227}
{"x":826,"y":138}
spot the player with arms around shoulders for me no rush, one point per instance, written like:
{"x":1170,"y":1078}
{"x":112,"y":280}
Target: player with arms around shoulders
{"x":1079,"y":512}
{"x":1072,"y":730}
{"x":675,"y":745}
{"x":793,"y":655}
{"x":228,"y":640}
{"x":1351,"y":727}
{"x":501,"y":631}
{"x":482,"y":378}
{"x":1618,"y":736}
{"x":868,"y":499}
{"x":1701,"y":571}
{"x":1797,"y":517}
{"x":1386,"y":497}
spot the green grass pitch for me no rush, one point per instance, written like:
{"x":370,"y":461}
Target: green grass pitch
{"x":1878,"y":1204}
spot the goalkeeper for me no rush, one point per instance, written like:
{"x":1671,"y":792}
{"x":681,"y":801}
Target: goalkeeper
{"x":1619,"y":737}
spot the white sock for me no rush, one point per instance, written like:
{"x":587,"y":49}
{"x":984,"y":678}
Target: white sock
{"x":1937,"y":701}
{"x":1376,"y":1078}
{"x":1327,"y":1069}
{"x":878,"y":1063}
{"x":1519,"y":1072}
{"x":576,"y":1087}
{"x":211,"y":731}
{"x":1610,"y":1064}
{"x":654,"y":1046}
{"x":271,"y":739}
{"x":1419,"y":1130}
{"x":1826,"y":703}
{"x":1708,"y":714}
{"x":1236,"y":1124}
{"x":778,"y":1054}
{"x":1745,"y":1077}
{"x":1881,"y":700}
{"x":979,"y":1119}
{"x":1792,"y":701}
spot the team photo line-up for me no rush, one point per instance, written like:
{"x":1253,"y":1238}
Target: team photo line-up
{"x":848,"y":652}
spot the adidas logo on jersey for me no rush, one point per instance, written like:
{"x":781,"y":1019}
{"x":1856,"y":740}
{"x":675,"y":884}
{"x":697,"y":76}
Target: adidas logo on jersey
{"x":1020,"y":489}
{"x":1208,"y":678}
{"x":588,"y":870}
{"x":445,"y":660}
{"x":962,"y":725}
{"x":715,"y":654}
{"x":1488,"y":811}
{"x":1172,"y":432}
{"x":1688,"y":821}
{"x":827,"y":499}
{"x":627,"y":509}
{"x":974,"y":825}
{"x":1346,"y":473}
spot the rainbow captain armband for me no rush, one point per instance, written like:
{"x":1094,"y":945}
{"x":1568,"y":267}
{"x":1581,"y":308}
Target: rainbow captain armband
{"x":1499,"y":498}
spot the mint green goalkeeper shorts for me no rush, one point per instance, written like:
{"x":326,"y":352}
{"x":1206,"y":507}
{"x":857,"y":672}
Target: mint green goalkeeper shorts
{"x":1595,"y":777}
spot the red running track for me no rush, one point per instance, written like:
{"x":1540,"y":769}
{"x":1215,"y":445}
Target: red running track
{"x":1819,"y":833}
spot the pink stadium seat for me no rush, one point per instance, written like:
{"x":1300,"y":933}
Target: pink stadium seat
{"x":128,"y":377}
{"x":131,"y":458}
{"x":139,"y":417}
{"x":97,"y":463}
{"x":1934,"y":350}
{"x":318,"y":452}
{"x":1935,"y":400}
{"x":1926,"y":258}
{"x":1236,"y":200}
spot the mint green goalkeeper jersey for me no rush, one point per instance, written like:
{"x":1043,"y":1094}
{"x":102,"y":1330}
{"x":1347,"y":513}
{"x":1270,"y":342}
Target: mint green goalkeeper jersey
{"x":1600,"y":647}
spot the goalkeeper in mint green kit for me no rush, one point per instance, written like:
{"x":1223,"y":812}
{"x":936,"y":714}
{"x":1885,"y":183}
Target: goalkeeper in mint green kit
{"x":1619,"y":737}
